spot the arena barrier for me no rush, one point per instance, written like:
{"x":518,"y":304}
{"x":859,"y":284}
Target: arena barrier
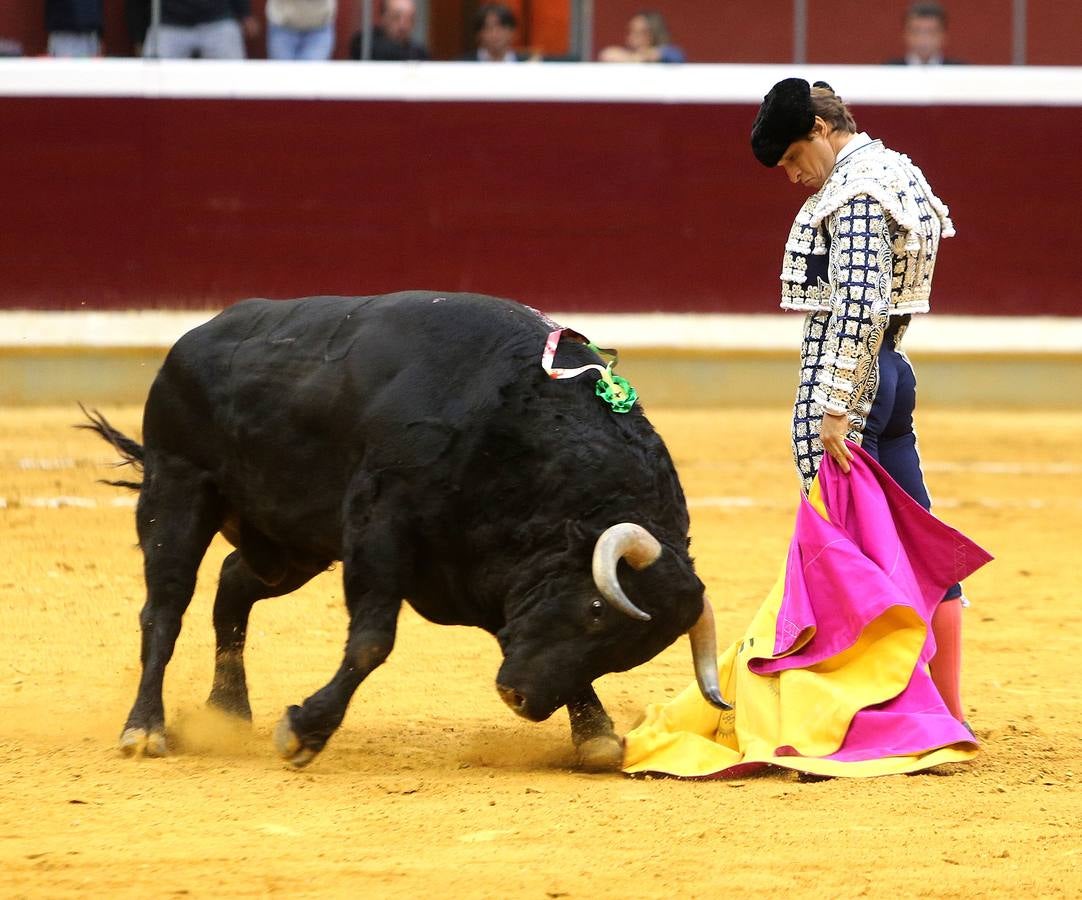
{"x":190,"y":184}
{"x":683,"y":360}
{"x":623,"y":192}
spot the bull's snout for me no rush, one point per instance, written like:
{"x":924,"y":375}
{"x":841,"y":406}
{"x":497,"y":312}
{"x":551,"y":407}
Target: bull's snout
{"x":513,"y":698}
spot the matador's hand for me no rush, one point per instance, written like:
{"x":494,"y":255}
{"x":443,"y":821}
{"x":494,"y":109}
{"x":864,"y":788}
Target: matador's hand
{"x":832,"y":432}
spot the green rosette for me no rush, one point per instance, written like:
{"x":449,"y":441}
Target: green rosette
{"x":617,"y":392}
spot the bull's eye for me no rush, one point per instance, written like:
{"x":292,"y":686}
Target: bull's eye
{"x":596,"y":609}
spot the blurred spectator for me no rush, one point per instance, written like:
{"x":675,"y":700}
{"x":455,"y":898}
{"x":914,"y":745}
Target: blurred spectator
{"x":137,"y":18}
{"x":74,"y":27}
{"x":392,"y":39}
{"x":925,"y":36}
{"x":9,"y":47}
{"x":494,"y":31}
{"x":300,"y":29}
{"x":208,"y":29}
{"x":647,"y":41}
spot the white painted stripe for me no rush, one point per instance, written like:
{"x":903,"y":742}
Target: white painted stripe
{"x":1004,"y":468}
{"x":727,"y":502}
{"x":998,"y":503}
{"x":548,"y":82}
{"x":774,"y":332}
{"x":46,"y":465}
{"x":66,"y":502}
{"x":983,"y":467}
{"x":976,"y":468}
{"x":717,"y":502}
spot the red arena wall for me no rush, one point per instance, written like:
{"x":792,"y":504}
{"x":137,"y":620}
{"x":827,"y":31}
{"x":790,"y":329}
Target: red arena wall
{"x":121,"y":202}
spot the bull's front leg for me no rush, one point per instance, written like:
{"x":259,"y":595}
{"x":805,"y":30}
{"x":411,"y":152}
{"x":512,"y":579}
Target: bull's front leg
{"x":304,"y":730}
{"x":373,"y":590}
{"x":597,"y":745}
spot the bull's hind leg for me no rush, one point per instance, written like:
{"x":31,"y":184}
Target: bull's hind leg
{"x":178,"y":513}
{"x":238,"y":590}
{"x":598,"y":747}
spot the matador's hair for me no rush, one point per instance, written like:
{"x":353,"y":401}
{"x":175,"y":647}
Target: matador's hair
{"x":831,"y":108}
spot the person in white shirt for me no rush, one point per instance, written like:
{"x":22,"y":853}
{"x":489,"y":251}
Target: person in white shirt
{"x":300,"y":29}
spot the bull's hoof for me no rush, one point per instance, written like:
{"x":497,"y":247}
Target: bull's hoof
{"x":289,"y":746}
{"x":237,"y":707}
{"x":604,"y":753}
{"x":138,"y":742}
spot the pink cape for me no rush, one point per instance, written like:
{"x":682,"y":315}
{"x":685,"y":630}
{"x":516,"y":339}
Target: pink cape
{"x":844,"y":687}
{"x":879,"y":549}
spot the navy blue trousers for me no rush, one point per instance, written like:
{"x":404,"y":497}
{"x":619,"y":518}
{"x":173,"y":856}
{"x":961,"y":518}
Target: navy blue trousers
{"x":888,"y":435}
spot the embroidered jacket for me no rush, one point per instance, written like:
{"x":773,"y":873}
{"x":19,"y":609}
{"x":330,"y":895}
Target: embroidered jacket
{"x":862,"y":249}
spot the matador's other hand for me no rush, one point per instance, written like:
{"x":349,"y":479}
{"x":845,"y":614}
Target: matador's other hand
{"x":832,"y":432}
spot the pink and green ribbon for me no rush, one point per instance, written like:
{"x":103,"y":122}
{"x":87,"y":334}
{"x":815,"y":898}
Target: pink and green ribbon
{"x":612,"y":389}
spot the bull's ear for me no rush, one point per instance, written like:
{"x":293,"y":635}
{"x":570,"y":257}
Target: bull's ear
{"x":578,"y":535}
{"x":671,"y":576}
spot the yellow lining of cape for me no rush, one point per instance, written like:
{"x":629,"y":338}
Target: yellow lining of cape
{"x":807,"y":709}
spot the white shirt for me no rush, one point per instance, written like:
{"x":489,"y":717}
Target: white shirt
{"x":302,"y":15}
{"x":911,"y":59}
{"x":855,"y":143}
{"x":484,"y":56}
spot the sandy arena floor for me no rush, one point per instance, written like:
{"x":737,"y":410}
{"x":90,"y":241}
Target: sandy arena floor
{"x":432,"y":787}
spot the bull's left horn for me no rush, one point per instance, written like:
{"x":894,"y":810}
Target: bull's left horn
{"x":704,"y":650}
{"x":624,"y":541}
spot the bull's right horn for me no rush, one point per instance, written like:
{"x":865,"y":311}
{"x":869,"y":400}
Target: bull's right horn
{"x":704,"y":650}
{"x":624,"y":541}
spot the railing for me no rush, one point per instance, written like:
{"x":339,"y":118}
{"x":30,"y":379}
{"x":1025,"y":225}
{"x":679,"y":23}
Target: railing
{"x":582,"y":17}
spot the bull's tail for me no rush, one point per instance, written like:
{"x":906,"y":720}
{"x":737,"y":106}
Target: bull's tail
{"x":131,"y":451}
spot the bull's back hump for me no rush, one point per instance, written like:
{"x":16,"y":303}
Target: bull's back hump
{"x":320,"y":354}
{"x":326,"y":328}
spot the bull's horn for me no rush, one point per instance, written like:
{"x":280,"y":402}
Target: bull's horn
{"x":624,"y":541}
{"x":704,"y":650}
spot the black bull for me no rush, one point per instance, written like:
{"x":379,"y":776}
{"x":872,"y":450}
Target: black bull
{"x":416,"y":438}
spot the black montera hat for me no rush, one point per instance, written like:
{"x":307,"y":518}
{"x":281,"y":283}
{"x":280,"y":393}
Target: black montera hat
{"x":785,"y":116}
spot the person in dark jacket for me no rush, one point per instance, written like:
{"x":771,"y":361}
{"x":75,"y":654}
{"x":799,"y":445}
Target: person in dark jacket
{"x":392,"y":39}
{"x":74,"y":27}
{"x":494,"y":29}
{"x":925,"y":37}
{"x":208,"y":29}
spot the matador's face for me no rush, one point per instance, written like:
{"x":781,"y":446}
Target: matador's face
{"x":809,"y":161}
